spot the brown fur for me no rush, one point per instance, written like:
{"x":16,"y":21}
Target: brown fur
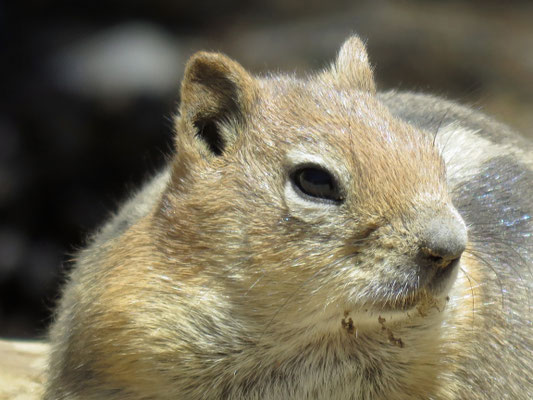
{"x":222,"y":283}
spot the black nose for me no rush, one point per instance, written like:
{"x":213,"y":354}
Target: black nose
{"x":443,"y":240}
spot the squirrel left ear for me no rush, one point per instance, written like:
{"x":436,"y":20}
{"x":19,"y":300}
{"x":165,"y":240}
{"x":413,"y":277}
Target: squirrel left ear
{"x":214,"y":90}
{"x":352,"y":69}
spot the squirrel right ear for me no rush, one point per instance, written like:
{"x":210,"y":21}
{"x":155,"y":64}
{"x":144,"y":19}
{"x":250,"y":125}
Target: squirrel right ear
{"x":214,"y":90}
{"x":352,"y":68}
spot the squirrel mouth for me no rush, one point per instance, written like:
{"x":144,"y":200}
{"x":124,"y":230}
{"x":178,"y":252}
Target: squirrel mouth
{"x":435,"y":287}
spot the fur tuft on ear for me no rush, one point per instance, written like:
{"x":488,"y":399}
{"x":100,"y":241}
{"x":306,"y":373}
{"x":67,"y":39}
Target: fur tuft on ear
{"x":215,"y":90}
{"x":352,"y":68}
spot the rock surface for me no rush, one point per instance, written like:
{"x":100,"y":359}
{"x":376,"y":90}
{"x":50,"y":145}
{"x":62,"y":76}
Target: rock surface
{"x":22,"y":370}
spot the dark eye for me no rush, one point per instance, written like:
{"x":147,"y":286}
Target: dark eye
{"x":316,"y":182}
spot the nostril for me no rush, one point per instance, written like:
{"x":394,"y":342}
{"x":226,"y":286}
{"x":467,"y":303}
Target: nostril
{"x":438,"y":261}
{"x":435,"y":259}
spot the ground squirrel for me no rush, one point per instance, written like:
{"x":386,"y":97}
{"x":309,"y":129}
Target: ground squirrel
{"x":310,"y":239}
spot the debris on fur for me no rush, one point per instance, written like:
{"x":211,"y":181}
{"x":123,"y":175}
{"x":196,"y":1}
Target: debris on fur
{"x":393,"y":340}
{"x":348,"y":324}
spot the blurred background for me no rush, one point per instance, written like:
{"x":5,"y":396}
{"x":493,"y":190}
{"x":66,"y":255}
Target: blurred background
{"x":89,"y":88}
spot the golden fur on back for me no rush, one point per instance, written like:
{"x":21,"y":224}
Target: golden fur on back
{"x":222,"y":280}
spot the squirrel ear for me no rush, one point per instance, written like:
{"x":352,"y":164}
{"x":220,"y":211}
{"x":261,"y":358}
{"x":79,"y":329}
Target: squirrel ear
{"x":352,"y":68}
{"x":214,"y":90}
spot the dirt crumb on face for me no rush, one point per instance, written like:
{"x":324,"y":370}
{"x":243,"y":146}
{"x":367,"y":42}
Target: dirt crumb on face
{"x":395,"y":341}
{"x":348,"y":324}
{"x":392,"y":339}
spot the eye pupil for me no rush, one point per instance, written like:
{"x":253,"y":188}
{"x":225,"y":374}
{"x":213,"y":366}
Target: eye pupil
{"x":316,"y":182}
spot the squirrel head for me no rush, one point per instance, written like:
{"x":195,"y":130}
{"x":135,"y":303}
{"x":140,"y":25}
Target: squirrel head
{"x":296,"y":196}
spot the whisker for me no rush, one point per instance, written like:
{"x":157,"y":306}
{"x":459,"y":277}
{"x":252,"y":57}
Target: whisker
{"x":440,"y":125}
{"x":511,"y":246}
{"x":473,"y":296}
{"x":503,"y":245}
{"x":253,"y":284}
{"x":480,"y":257}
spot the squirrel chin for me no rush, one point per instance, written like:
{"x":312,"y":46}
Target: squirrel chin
{"x":369,"y":319}
{"x":421,"y":304}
